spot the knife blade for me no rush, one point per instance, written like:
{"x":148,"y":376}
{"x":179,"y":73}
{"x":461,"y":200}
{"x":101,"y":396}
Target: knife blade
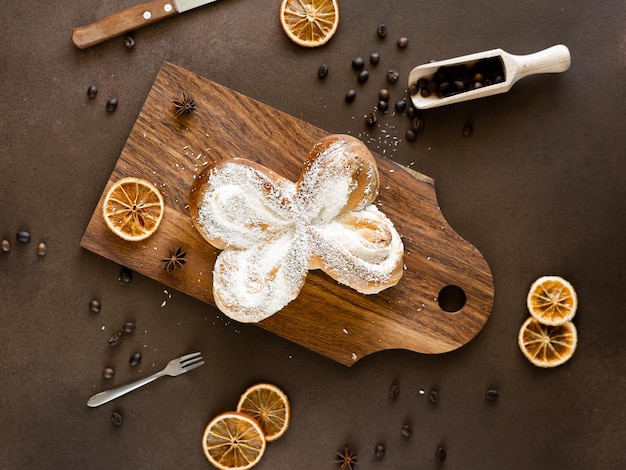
{"x":130,"y":19}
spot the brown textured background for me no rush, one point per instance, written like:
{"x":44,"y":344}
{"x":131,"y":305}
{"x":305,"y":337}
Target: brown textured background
{"x":538,"y":189}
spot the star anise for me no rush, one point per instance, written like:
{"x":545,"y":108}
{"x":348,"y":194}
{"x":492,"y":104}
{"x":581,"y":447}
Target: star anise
{"x":346,"y":459}
{"x":186,"y":105}
{"x":176,"y":260}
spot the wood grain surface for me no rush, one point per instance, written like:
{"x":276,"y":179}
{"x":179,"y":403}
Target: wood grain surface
{"x":328,"y":318}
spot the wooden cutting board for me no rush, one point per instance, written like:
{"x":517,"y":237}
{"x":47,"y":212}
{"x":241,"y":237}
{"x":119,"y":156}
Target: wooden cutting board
{"x":328,"y":318}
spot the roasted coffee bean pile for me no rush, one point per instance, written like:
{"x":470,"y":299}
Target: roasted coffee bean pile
{"x":401,"y":105}
{"x":453,"y":79}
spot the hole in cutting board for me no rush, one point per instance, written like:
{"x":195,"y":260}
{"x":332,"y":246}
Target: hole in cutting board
{"x":451,"y":298}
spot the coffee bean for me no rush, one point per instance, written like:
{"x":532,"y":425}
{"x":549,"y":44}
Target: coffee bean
{"x":322,"y":72}
{"x":413,"y":90}
{"x":135,"y":359}
{"x":410,"y":135}
{"x":108,"y":372}
{"x":128,"y":327}
{"x":452,"y":79}
{"x":400,"y":106}
{"x":363,"y":76}
{"x":358,"y":63}
{"x":444,"y":87}
{"x":421,"y":83}
{"x":392,"y":76}
{"x":371,"y":119}
{"x":126,"y":275}
{"x":23,"y":236}
{"x":407,"y":431}
{"x":411,"y":111}
{"x":92,"y":91}
{"x":382,"y":31}
{"x":350,"y":95}
{"x":468,"y":128}
{"x":394,"y":392}
{"x":111,"y":105}
{"x":116,"y":418}
{"x":440,"y":455}
{"x":383,"y":106}
{"x":94,"y":305}
{"x":383,"y":94}
{"x":433,"y":396}
{"x":403,"y":42}
{"x":6,"y":245}
{"x":374,"y":58}
{"x":129,"y":42}
{"x":417,"y":123}
{"x":42,"y":249}
{"x":379,"y":451}
{"x":492,"y":394}
{"x":115,"y":338}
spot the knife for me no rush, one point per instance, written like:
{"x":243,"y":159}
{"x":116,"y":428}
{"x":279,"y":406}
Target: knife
{"x":131,"y":19}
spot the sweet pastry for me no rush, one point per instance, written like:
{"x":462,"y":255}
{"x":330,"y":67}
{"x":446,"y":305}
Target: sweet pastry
{"x":272,"y":231}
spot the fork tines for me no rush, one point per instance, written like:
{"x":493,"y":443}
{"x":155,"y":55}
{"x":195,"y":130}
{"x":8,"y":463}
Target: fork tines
{"x":191,"y":361}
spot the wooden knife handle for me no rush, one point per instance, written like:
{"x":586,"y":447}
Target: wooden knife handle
{"x":122,"y":22}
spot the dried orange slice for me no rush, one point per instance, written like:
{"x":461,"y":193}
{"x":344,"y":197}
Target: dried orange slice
{"x":546,"y":345}
{"x":552,"y":300}
{"x":269,"y":405}
{"x":133,"y":208}
{"x":233,"y":441}
{"x":309,"y":23}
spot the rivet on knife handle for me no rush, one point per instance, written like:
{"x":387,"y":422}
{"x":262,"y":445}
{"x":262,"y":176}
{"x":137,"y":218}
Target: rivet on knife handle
{"x":122,"y":22}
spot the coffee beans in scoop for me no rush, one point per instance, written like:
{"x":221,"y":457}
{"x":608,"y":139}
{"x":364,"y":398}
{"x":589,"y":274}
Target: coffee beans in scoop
{"x":453,"y":79}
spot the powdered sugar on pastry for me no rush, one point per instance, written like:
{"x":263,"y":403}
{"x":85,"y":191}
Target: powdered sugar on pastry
{"x":272,"y":231}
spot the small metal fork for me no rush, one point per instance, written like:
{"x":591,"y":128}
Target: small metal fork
{"x":174,"y":367}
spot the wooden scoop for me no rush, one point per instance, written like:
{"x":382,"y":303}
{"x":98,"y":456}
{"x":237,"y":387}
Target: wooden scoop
{"x":514,"y":67}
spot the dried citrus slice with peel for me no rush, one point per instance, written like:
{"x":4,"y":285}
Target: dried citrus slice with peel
{"x":552,"y":300}
{"x":133,"y":208}
{"x":269,"y":405}
{"x":233,"y":441}
{"x":309,"y":23}
{"x":546,"y":345}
